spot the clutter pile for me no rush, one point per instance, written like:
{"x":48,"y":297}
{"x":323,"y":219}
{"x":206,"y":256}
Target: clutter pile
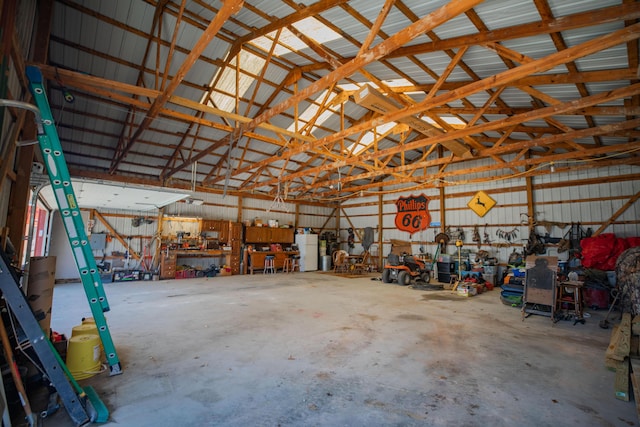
{"x":473,"y":283}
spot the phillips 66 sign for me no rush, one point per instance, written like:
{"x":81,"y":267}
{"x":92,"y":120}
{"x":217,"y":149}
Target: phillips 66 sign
{"x":413,"y":214}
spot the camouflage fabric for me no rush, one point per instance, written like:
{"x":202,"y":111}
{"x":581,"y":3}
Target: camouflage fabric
{"x":628,"y":280}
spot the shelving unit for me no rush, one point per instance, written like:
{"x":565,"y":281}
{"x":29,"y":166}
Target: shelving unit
{"x":446,"y":270}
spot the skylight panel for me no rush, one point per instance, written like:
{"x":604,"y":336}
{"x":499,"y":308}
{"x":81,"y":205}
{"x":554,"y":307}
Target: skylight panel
{"x":351,"y":87}
{"x":316,"y":30}
{"x":366,"y":140}
{"x":250,"y":65}
{"x":311,"y":111}
{"x":288,"y":42}
{"x":454,"y":121}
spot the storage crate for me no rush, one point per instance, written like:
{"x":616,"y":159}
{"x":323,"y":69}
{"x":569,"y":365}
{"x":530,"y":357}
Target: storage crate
{"x":491,"y":278}
{"x":106,"y":277}
{"x":187,"y":273}
{"x":126,"y":275}
{"x":489,"y":269}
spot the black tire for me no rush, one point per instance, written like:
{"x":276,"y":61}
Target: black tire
{"x":404,"y":278}
{"x":386,"y":276}
{"x":426,"y":277}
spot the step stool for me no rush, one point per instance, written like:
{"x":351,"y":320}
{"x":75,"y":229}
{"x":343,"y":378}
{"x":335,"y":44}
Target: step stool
{"x":269,"y":264}
{"x":290,"y":264}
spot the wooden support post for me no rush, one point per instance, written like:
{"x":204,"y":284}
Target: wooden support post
{"x":156,"y":256}
{"x":380,"y":233}
{"x":239,"y":216}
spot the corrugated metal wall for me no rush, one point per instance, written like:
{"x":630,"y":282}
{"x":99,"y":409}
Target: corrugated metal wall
{"x":139,"y":234}
{"x":588,"y":197}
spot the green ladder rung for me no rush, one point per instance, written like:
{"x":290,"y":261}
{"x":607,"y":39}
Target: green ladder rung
{"x":60,"y":179}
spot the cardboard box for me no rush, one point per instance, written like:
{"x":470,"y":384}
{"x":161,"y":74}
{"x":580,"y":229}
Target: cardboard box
{"x":399,"y":247}
{"x":467,"y":290}
{"x":42,"y":278}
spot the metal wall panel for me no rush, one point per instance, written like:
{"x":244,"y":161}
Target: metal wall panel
{"x":591,"y":205}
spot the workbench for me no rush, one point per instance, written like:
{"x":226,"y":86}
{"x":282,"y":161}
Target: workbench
{"x":255,"y":259}
{"x":200,"y":259}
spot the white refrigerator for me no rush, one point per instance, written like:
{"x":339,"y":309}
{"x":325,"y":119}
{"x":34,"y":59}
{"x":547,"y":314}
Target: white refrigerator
{"x":308,"y":247}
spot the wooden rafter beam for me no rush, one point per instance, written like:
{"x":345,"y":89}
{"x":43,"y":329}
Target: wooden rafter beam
{"x":535,"y":93}
{"x":586,"y":48}
{"x":303,"y":13}
{"x":558,"y":40}
{"x":383,"y":49}
{"x":228,"y":8}
{"x":438,"y":17}
{"x":565,"y":23}
{"x":506,"y":123}
{"x":437,"y":179}
{"x":375,"y":28}
{"x":536,"y":80}
{"x":110,"y":89}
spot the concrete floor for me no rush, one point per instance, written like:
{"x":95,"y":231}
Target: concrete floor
{"x":313,"y":349}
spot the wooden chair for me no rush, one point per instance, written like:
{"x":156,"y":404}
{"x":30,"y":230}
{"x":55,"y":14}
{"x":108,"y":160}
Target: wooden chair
{"x":363,"y":265}
{"x":340,"y":261}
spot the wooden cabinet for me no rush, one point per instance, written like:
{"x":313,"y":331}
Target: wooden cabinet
{"x":168,"y":265}
{"x":268,"y":235}
{"x":282,"y":235}
{"x":220,"y":227}
{"x":236,"y":247}
{"x":226,"y":233}
{"x":256,"y":235}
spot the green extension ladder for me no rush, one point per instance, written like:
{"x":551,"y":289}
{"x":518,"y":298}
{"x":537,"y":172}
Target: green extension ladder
{"x":56,"y":165}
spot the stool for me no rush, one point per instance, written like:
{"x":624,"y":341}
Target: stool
{"x":269,"y":264}
{"x":570,"y":293}
{"x":286,"y":267}
{"x":295,"y":262}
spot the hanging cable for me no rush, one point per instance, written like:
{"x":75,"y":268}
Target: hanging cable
{"x":194,"y":173}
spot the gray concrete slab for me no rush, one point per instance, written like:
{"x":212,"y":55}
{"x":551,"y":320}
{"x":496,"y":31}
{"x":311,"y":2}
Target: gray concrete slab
{"x":313,"y":349}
